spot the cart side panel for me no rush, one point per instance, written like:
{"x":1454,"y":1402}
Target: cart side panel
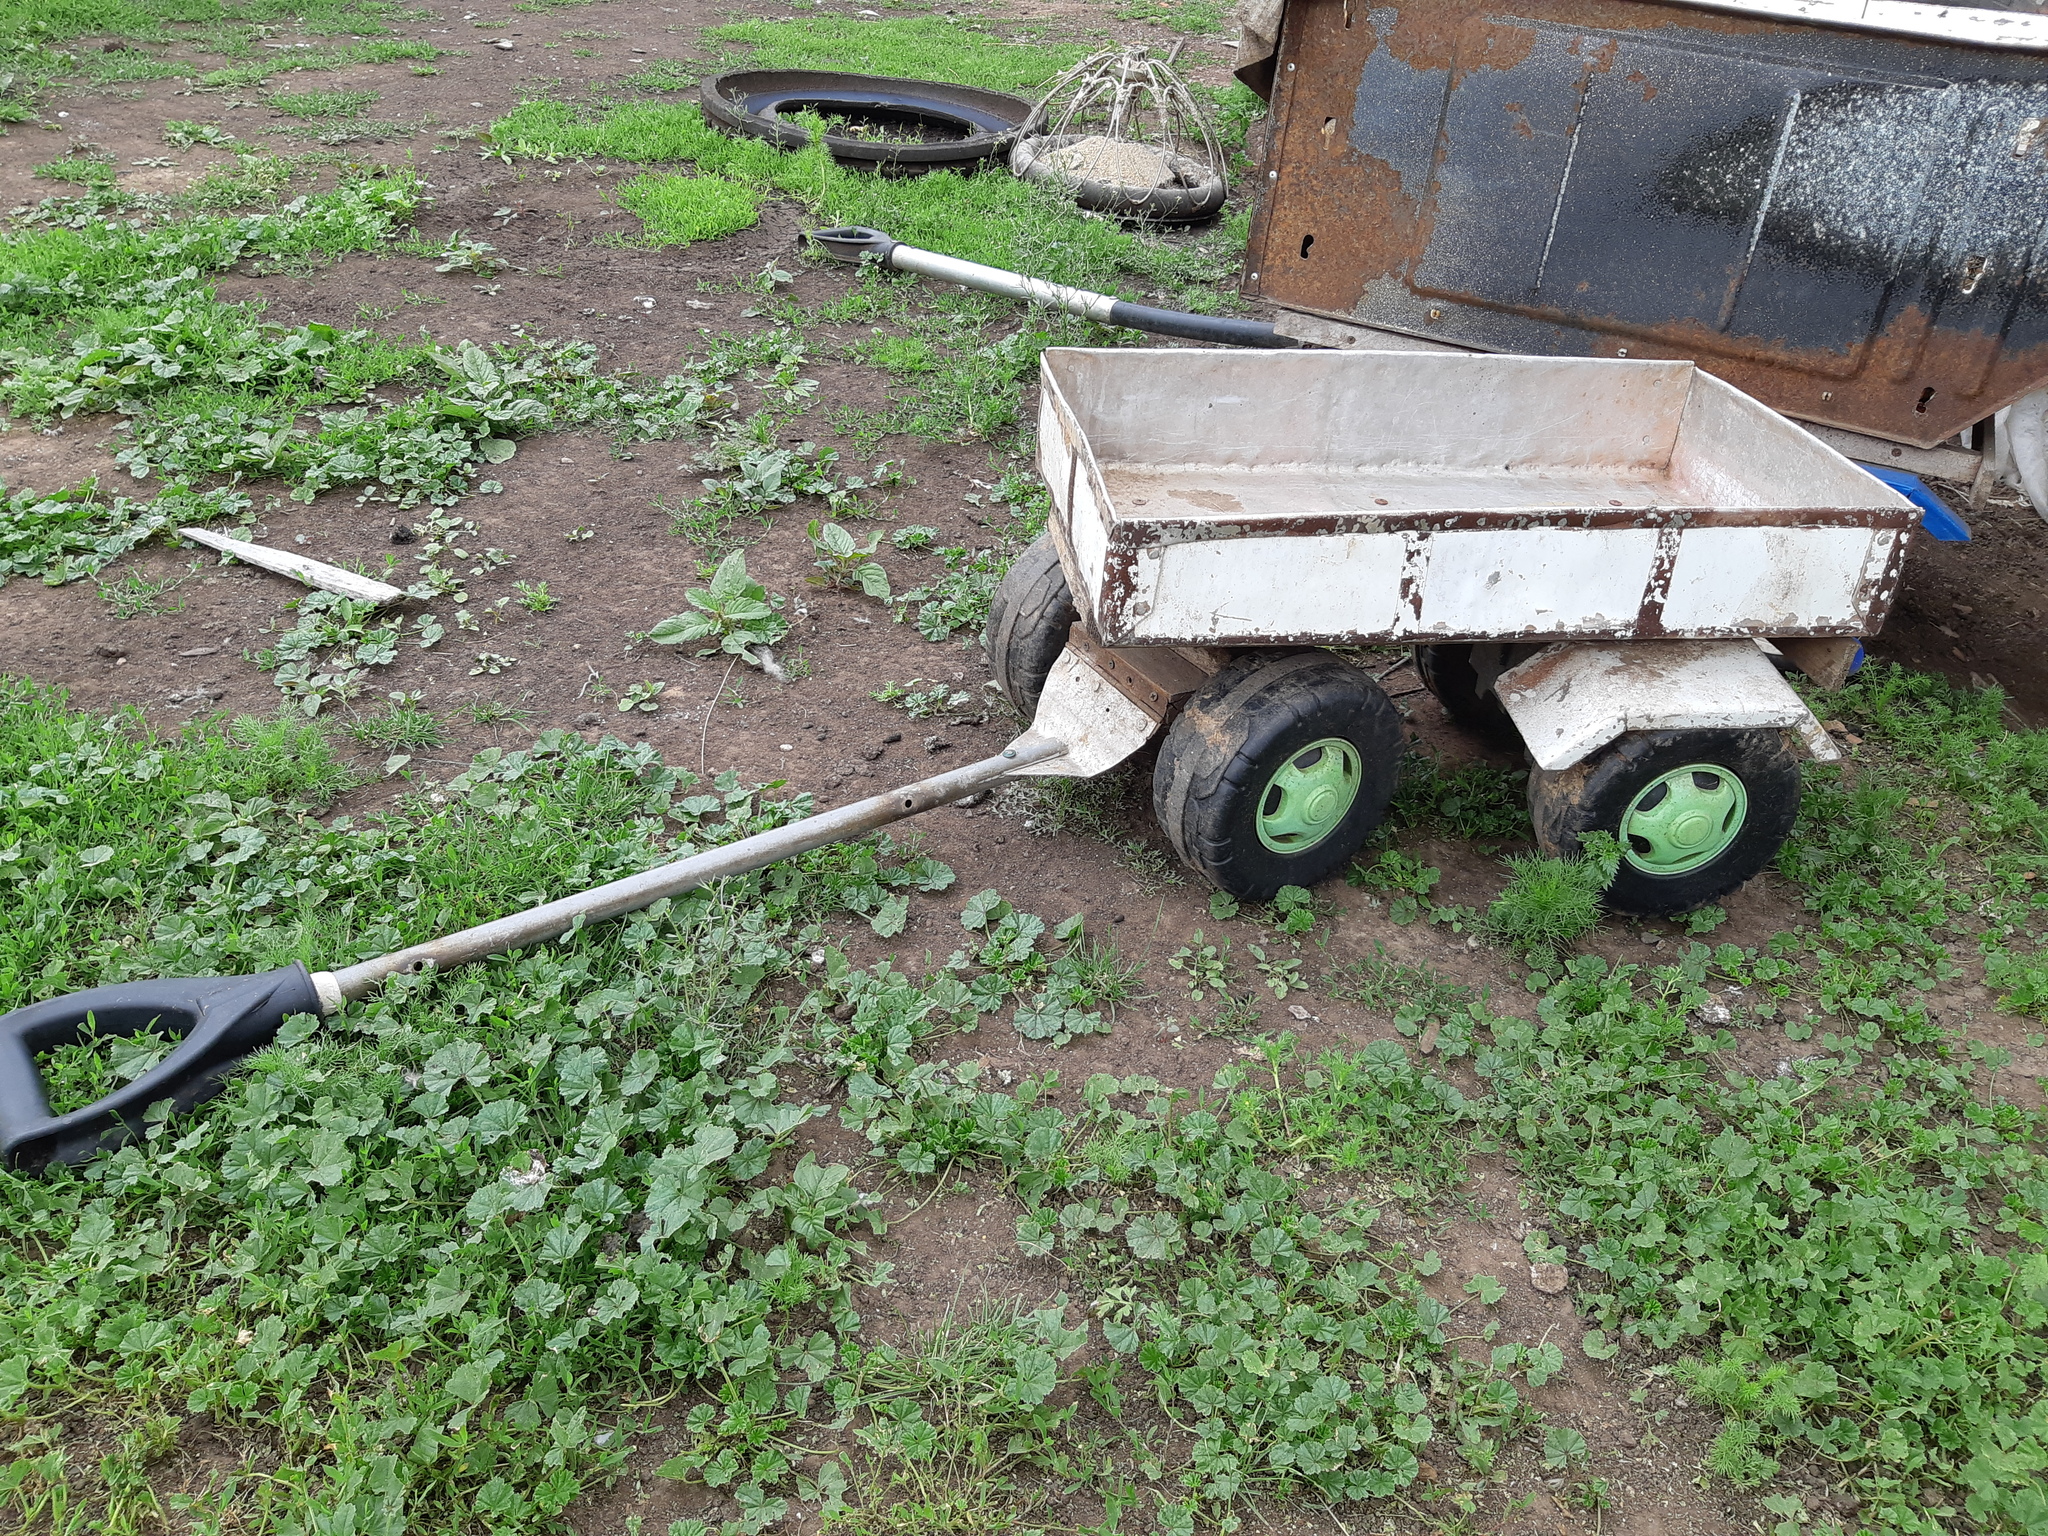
{"x":1088,"y":533}
{"x":1359,"y":409}
{"x":1538,"y":581}
{"x":1078,"y":511}
{"x":1734,"y":452}
{"x":1766,"y":581}
{"x":1268,"y":588}
{"x":1055,"y":449}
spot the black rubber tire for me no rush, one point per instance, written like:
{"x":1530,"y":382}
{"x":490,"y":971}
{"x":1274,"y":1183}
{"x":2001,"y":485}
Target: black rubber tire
{"x":1595,"y":794}
{"x":1461,"y":677}
{"x":1028,"y":622}
{"x":749,"y":102}
{"x":1237,"y":731}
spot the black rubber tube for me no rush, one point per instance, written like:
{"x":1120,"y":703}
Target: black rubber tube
{"x":1217,"y":328}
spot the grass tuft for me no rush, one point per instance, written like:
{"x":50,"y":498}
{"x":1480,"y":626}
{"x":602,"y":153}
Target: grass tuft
{"x":1551,"y":902}
{"x":322,"y":104}
{"x":677,"y":210}
{"x":923,"y":48}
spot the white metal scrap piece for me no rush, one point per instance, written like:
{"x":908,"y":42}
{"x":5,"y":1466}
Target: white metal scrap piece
{"x":1568,"y":701}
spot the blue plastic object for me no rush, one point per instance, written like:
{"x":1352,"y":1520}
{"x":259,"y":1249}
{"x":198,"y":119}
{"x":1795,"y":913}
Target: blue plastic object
{"x":1935,"y":517}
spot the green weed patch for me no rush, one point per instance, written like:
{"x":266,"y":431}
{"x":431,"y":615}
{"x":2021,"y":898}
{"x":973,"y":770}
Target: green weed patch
{"x":432,"y":1251}
{"x":116,"y":318}
{"x":67,"y":535}
{"x":1938,"y":836}
{"x":1258,"y":1321}
{"x":924,"y":48}
{"x":1849,"y":1255}
{"x":334,"y":56}
{"x":1865,"y":1239}
{"x":112,"y":317}
{"x":62,"y":281}
{"x":996,"y":219}
{"x":35,"y":34}
{"x":1549,"y":902}
{"x":61,"y":20}
{"x":322,"y":104}
{"x":428,"y":1248}
{"x":1197,"y":17}
{"x":962,"y":377}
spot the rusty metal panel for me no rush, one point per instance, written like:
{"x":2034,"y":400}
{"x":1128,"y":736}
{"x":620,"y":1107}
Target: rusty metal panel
{"x":1156,"y":679}
{"x":1852,"y":228}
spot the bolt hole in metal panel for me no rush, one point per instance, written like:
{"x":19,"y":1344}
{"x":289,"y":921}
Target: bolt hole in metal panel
{"x":1236,"y":498}
{"x":1851,"y":227}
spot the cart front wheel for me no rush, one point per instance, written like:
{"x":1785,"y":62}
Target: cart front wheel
{"x":1696,"y":812}
{"x":1462,"y":678}
{"x":1028,"y":620}
{"x":1277,"y":771}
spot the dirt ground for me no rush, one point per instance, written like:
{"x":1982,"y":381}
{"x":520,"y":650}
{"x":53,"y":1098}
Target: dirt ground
{"x":1970,"y":611}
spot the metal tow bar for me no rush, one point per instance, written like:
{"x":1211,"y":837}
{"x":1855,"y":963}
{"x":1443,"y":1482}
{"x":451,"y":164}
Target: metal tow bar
{"x":1084,"y":727}
{"x":224,"y":1018}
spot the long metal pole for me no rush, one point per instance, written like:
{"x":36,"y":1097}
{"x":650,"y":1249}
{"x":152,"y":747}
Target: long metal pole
{"x":1012,"y":285}
{"x":855,"y":242}
{"x":635,"y":891}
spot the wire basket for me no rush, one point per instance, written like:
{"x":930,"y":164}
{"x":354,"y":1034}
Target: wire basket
{"x":1124,"y":134}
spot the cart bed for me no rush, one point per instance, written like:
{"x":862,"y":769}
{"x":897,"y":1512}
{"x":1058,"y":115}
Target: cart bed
{"x":1235,"y":498}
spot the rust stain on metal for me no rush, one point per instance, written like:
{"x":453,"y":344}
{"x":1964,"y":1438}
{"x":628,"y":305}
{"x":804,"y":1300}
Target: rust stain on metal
{"x":1650,"y":617}
{"x":1461,"y":45}
{"x":1210,"y":501}
{"x":1414,"y":576}
{"x":1599,"y":59}
{"x":1156,"y":678}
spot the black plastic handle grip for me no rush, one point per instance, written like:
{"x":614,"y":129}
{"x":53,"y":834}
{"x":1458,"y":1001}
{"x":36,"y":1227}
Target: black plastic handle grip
{"x":222,"y":1019}
{"x":1221,"y":329}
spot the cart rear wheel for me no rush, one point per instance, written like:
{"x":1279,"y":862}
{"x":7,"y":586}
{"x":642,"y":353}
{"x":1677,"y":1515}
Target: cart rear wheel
{"x":1028,"y":622}
{"x":1462,"y":677}
{"x":1696,"y":812}
{"x":1277,"y":771}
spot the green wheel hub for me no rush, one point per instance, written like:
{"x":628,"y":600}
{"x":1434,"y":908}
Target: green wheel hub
{"x":1309,"y":795}
{"x":1685,"y":819}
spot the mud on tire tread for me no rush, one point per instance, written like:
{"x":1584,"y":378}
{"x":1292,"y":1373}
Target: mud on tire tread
{"x":1236,"y":731}
{"x":1028,"y":620}
{"x":1595,"y":794}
